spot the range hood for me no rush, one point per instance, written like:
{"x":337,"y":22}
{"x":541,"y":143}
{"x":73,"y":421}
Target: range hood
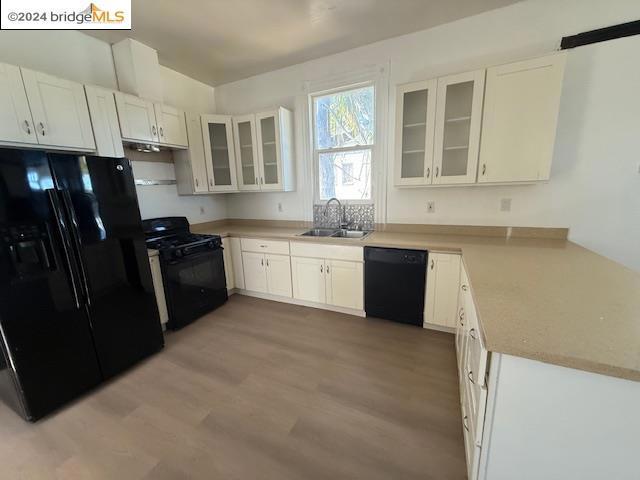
{"x":137,"y":69}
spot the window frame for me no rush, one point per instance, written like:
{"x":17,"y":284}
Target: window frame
{"x":315,"y":152}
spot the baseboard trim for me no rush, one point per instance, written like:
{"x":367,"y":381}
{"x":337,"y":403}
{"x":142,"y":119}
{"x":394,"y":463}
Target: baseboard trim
{"x":303,"y":303}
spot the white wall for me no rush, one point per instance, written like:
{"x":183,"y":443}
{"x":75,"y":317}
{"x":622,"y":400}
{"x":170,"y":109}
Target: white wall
{"x":76,"y":56}
{"x":530,"y":28}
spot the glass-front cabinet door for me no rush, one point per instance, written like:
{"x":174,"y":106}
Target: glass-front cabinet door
{"x":457,"y":134}
{"x":268,"y":137}
{"x":415,"y":124}
{"x":219,"y":150}
{"x":244,"y":132}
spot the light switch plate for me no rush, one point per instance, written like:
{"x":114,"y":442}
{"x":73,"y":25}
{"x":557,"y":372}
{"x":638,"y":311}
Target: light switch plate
{"x":505,"y":205}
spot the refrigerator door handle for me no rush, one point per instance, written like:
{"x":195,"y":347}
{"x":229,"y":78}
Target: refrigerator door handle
{"x":63,"y":237}
{"x":66,"y":199}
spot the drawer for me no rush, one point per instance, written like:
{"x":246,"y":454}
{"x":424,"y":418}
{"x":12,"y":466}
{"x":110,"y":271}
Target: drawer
{"x":333,"y":252}
{"x":257,"y":245}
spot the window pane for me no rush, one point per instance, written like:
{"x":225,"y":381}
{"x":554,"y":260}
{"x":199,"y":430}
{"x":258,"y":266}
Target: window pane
{"x":345,"y":175}
{"x":345,"y":119}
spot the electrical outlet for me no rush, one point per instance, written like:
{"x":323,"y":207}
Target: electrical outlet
{"x":505,"y":205}
{"x":431,"y":207}
{"x":280,"y":207}
{"x":201,"y":210}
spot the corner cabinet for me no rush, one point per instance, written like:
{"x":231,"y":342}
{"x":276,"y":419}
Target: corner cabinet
{"x":104,"y":117}
{"x":219,"y":152}
{"x":264,"y":146}
{"x":521,"y":106}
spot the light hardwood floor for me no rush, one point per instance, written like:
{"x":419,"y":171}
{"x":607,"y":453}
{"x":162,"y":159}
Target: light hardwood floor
{"x":261,"y":390}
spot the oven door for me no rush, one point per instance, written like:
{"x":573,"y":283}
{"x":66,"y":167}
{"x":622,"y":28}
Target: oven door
{"x":194,"y":285}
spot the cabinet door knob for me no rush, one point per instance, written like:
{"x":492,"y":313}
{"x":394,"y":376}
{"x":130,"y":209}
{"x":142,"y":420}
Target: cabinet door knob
{"x":27,"y":128}
{"x":321,"y":269}
{"x":161,"y":132}
{"x":432,"y":264}
{"x":257,"y":181}
{"x":472,"y":333}
{"x":437,"y":171}
{"x":41,"y":125}
{"x":428,"y":172}
{"x":464,"y":423}
{"x":196,"y":182}
{"x":464,"y":288}
{"x":153,"y":130}
{"x":261,"y":181}
{"x":484,"y":168}
{"x":327,"y":268}
{"x":262,"y":262}
{"x":267,"y":262}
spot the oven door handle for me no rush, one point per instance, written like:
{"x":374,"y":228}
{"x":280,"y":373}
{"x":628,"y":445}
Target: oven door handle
{"x":195,"y":256}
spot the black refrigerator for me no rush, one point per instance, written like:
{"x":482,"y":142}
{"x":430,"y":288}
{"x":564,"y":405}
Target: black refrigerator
{"x":77,"y":304}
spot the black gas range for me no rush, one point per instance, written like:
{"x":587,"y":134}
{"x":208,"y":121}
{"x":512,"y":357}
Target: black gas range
{"x":192,"y":268}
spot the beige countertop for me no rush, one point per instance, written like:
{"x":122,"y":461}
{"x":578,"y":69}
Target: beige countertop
{"x":543,"y":299}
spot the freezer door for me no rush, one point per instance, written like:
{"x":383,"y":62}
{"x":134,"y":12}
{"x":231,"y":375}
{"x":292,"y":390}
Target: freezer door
{"x":48,"y":356}
{"x":100,"y":200}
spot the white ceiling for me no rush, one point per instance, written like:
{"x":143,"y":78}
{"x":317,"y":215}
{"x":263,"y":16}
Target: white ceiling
{"x":219,"y":41}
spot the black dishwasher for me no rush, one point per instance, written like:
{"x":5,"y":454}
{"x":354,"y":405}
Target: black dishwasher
{"x":394,"y":284}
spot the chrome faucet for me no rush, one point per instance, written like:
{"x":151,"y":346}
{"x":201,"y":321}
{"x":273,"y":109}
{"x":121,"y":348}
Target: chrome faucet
{"x":342,"y":222}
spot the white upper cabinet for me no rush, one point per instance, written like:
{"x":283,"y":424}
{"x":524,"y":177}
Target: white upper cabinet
{"x":457,"y":131}
{"x":16,"y":124}
{"x":190,"y":164}
{"x":520,"y":117}
{"x":441,"y":296}
{"x":137,"y":118}
{"x":172,"y":129}
{"x":244,"y":133}
{"x":415,"y":126}
{"x":104,"y":119}
{"x":275,"y":150}
{"x":217,"y":133}
{"x":59,"y":111}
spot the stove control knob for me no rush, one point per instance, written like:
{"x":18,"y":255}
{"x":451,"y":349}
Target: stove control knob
{"x":179,"y":253}
{"x":211,"y":244}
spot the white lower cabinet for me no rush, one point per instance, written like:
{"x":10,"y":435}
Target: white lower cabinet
{"x":323,"y":280}
{"x":441,"y":296}
{"x":278,"y":274}
{"x":345,"y":284}
{"x":308,"y":277}
{"x":267,"y":273}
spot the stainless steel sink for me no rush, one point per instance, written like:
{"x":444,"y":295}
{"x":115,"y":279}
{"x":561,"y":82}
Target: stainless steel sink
{"x":335,"y":233}
{"x":319,"y":232}
{"x":343,"y":233}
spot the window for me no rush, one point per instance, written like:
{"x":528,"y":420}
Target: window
{"x":343,"y":142}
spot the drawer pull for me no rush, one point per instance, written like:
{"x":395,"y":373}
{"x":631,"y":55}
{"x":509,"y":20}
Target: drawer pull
{"x":464,"y":423}
{"x":470,"y":377}
{"x":472,"y":333}
{"x":263,"y":246}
